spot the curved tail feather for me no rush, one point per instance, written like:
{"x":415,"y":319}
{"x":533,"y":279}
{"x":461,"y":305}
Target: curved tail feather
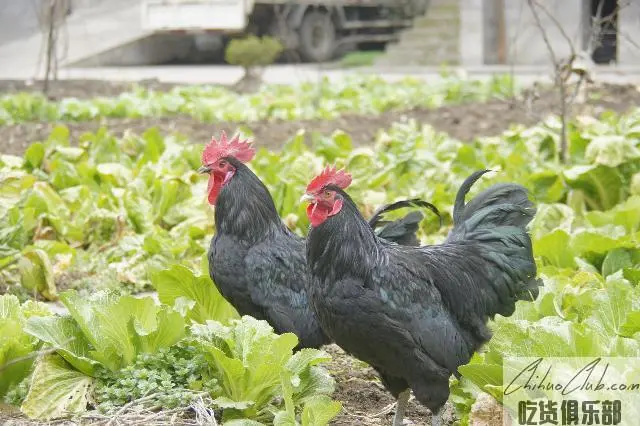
{"x":404,"y":230}
{"x":493,"y":250}
{"x":508,"y":204}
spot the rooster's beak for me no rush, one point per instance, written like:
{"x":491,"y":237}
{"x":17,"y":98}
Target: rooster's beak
{"x":306,"y":198}
{"x":204,"y":169}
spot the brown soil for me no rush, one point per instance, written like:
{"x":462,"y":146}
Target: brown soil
{"x":364,"y":400}
{"x":464,"y":122}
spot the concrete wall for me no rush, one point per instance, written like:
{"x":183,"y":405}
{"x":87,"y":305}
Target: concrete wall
{"x":18,"y":18}
{"x":151,"y":50}
{"x":629,"y":34}
{"x":471,"y":32}
{"x":525,"y":43}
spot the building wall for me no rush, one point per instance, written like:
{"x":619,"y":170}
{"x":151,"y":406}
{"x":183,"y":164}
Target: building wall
{"x":472,"y":32}
{"x":629,"y":34}
{"x":523,"y":39}
{"x":19,"y":18}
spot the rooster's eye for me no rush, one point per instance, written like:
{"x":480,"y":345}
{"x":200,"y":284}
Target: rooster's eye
{"x":222,"y":163}
{"x":327,"y":194}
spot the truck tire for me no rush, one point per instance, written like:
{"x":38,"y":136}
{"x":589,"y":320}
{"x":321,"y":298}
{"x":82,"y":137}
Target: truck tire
{"x":317,"y":36}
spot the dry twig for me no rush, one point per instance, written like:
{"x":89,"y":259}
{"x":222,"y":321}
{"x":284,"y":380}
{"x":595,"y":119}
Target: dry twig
{"x":559,"y":81}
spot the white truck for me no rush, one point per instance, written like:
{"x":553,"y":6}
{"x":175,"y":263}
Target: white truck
{"x":316,"y":30}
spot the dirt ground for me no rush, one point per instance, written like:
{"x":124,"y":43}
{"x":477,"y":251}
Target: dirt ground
{"x":365,"y":401}
{"x":464,"y":122}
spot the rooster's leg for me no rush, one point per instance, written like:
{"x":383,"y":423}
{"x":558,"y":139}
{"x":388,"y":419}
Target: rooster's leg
{"x":436,"y":418}
{"x":403,"y":400}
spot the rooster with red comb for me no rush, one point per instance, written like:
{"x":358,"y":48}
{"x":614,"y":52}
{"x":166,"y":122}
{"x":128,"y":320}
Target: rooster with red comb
{"x":256,"y":262}
{"x":416,"y":314}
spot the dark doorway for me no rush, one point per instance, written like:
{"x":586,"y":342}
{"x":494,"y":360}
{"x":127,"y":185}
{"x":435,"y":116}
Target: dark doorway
{"x":604,"y":14}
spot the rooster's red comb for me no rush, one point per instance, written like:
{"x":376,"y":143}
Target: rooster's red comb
{"x":223,"y":147}
{"x":329,"y":176}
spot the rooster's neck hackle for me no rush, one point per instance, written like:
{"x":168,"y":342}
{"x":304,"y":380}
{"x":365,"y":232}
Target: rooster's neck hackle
{"x":245,"y":208}
{"x":344,"y":245}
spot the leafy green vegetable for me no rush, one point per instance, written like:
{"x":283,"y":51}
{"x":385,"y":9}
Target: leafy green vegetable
{"x":102,"y":332}
{"x":364,"y":94}
{"x":36,"y":273}
{"x":101,"y":227}
{"x":611,"y":150}
{"x":587,"y":317}
{"x":319,"y":411}
{"x":65,"y":335}
{"x":173,"y":376}
{"x":195,"y":296}
{"x":13,"y":183}
{"x":108,"y":330}
{"x":18,"y":392}
{"x":118,"y":328}
{"x":57,"y":390}
{"x":616,"y":260}
{"x":16,"y":346}
{"x":250,"y":363}
{"x":34,"y":155}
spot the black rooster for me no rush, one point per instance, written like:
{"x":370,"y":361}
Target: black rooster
{"x":416,"y":314}
{"x":256,"y":262}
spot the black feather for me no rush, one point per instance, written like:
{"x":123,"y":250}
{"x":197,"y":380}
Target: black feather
{"x":414,"y":202}
{"x":404,"y":230}
{"x":417,"y":313}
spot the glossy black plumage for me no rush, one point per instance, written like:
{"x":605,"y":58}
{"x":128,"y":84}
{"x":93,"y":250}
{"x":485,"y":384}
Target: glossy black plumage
{"x":258,"y":264}
{"x":417,"y":313}
{"x":403,"y":231}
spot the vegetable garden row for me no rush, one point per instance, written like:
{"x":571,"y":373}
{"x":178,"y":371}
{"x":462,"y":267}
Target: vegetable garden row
{"x":93,"y":222}
{"x":326,"y":99}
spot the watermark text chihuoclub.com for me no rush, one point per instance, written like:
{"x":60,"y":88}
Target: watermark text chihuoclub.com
{"x":571,"y":391}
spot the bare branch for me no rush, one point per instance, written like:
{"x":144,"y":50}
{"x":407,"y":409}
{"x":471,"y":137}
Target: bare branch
{"x":559,"y":78}
{"x":543,"y":33}
{"x":579,"y":85}
{"x":50,"y":44}
{"x":596,"y":28}
{"x":553,"y":19}
{"x":52,"y":17}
